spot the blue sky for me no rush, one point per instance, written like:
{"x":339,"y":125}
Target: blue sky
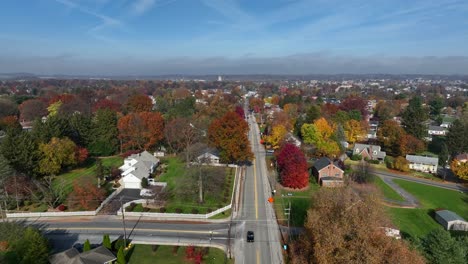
{"x":233,"y":36}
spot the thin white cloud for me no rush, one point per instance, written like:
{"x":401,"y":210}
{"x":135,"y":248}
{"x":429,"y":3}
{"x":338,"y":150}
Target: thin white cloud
{"x":105,"y":21}
{"x":141,"y":6}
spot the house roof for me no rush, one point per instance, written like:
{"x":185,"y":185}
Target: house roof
{"x":370,"y":150}
{"x":324,"y":162}
{"x":449,"y":215}
{"x":437,"y":128}
{"x":462,"y":157}
{"x":97,"y":255}
{"x":422,"y":159}
{"x":144,"y":162}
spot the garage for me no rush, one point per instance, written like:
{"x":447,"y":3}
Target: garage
{"x":130,"y":182}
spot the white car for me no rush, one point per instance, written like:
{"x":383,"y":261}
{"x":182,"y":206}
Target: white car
{"x":146,"y":193}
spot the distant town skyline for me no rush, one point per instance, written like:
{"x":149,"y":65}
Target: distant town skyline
{"x":146,"y":37}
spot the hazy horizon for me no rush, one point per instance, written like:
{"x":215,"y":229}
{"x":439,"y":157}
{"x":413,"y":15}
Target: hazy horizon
{"x":160,"y":37}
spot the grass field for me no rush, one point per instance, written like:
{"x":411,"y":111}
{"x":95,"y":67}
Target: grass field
{"x":88,"y":171}
{"x":300,"y":203}
{"x":387,"y":191}
{"x":143,"y":254}
{"x":418,"y":222}
{"x":175,"y":169}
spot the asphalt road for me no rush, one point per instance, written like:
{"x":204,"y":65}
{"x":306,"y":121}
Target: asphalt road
{"x":257,"y":213}
{"x":446,"y":185}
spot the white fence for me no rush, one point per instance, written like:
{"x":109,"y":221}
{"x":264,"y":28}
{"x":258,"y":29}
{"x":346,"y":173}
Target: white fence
{"x":57,"y":214}
{"x":179,"y":216}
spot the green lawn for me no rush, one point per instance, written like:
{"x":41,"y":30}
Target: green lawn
{"x":387,"y":191}
{"x":87,"y":171}
{"x":212,"y":201}
{"x":418,"y":222}
{"x":143,"y":254}
{"x":300,"y":203}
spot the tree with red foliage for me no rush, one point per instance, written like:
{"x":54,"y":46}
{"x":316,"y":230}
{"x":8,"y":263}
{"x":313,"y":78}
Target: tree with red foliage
{"x":292,"y":165}
{"x":86,"y":195}
{"x":354,"y":103}
{"x":229,"y":135}
{"x":198,"y":258}
{"x":107,"y":104}
{"x":139,"y":103}
{"x":190,"y":252}
{"x":240,"y":111}
{"x":81,"y":154}
{"x":142,"y":130}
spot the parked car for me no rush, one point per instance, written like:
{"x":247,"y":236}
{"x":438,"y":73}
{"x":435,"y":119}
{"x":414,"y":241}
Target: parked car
{"x":146,"y":193}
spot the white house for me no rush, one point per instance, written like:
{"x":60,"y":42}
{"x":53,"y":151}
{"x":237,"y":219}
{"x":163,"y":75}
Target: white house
{"x":437,"y":131}
{"x":208,"y":158}
{"x":450,"y":220}
{"x":136,"y":167}
{"x":421,"y":163}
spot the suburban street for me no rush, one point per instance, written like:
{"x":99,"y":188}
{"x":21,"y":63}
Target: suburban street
{"x":257,"y":212}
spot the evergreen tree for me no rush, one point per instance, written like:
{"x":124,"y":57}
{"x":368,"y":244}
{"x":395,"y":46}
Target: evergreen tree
{"x":106,"y":241}
{"x":121,"y":256}
{"x":414,"y":117}
{"x":21,"y":150}
{"x":86,"y":246}
{"x":457,"y":141}
{"x":440,"y":247}
{"x":104,"y":133}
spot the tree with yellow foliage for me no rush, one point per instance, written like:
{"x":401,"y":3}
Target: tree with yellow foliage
{"x":353,"y":131}
{"x":319,"y":134}
{"x":277,"y":136}
{"x":460,"y":169}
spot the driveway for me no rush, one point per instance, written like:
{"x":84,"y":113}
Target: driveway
{"x":125,"y":196}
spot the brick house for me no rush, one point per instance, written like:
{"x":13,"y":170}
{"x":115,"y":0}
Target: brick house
{"x":327,"y":172}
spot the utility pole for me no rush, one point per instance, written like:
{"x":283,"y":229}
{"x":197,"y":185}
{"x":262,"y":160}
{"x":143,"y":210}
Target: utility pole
{"x":123,"y":221}
{"x":1,"y":212}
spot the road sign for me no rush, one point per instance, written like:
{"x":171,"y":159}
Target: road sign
{"x":270,"y":200}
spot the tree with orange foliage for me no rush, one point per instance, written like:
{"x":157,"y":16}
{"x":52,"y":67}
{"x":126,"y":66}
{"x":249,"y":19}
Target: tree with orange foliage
{"x":142,"y":130}
{"x":256,"y":104}
{"x":107,"y":104}
{"x":229,"y":135}
{"x":345,"y":226}
{"x":139,"y":103}
{"x":86,"y":195}
{"x":291,"y":110}
{"x":280,"y":118}
{"x":411,"y":145}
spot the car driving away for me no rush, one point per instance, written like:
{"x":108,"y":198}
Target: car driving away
{"x":250,"y":236}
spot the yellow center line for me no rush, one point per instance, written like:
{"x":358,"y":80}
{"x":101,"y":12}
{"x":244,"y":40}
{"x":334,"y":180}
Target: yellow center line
{"x":258,"y":257}
{"x":136,"y":229}
{"x":256,"y":194}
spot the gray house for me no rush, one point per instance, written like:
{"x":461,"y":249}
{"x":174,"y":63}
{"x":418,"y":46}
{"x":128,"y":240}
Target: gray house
{"x":372,"y":152}
{"x":136,"y":167}
{"x":99,"y":255}
{"x":451,"y":221}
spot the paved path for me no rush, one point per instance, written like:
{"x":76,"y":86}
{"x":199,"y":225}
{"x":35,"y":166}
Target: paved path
{"x":410,"y":200}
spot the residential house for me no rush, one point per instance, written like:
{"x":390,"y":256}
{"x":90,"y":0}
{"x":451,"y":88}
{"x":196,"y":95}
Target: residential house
{"x":372,"y":152}
{"x":209,"y":157}
{"x":450,"y":220}
{"x":437,"y":131}
{"x":99,"y":255}
{"x":327,"y":172}
{"x":372,"y":133}
{"x":422,"y":163}
{"x":136,"y":167}
{"x":446,"y":124}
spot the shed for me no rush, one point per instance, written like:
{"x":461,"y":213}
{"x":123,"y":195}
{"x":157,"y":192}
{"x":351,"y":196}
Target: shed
{"x":450,"y":220}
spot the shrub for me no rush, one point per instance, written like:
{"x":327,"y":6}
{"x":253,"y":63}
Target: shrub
{"x":138,"y":208}
{"x":194,"y":211}
{"x":144,"y":182}
{"x":154,"y":248}
{"x":86,"y":246}
{"x":121,"y":256}
{"x":356,"y":157}
{"x":373,"y":161}
{"x":389,"y":162}
{"x":27,"y":203}
{"x":174,"y":250}
{"x":178,"y":210}
{"x":162,"y":210}
{"x":119,"y":243}
{"x":61,"y":207}
{"x":401,"y":164}
{"x":190,"y":252}
{"x":209,"y":210}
